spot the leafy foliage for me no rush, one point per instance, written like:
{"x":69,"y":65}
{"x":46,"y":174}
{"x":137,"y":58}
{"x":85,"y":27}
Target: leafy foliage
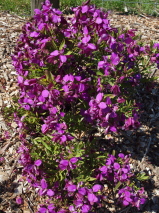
{"x":77,"y":75}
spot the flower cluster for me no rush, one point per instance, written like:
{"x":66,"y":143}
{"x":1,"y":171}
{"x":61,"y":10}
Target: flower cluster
{"x":87,"y":60}
{"x":81,"y":196}
{"x":74,"y":74}
{"x":115,"y":172}
{"x":129,"y":196}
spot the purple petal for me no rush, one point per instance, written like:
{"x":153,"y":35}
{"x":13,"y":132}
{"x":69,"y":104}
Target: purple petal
{"x":51,"y":207}
{"x":37,"y":11}
{"x":103,"y":169}
{"x":19,"y":200}
{"x":81,"y":87}
{"x":86,"y":39}
{"x":42,"y":210}
{"x":102,"y":105}
{"x":73,"y":160}
{"x":97,"y":188}
{"x":92,"y":198}
{"x":99,"y":20}
{"x":78,"y":203}
{"x":45,"y":93}
{"x":71,"y":208}
{"x":101,"y":64}
{"x":85,"y":9}
{"x":78,"y":78}
{"x":65,"y":88}
{"x":43,"y":184}
{"x":63,"y":138}
{"x":20,"y":79}
{"x":54,"y":53}
{"x":99,"y":97}
{"x":85,"y":30}
{"x":108,"y":101}
{"x":82,"y":191}
{"x":121,"y":155}
{"x":37,"y":162}
{"x":91,"y":46}
{"x":50,"y":192}
{"x":142,"y":201}
{"x":34,"y":34}
{"x":124,"y":176}
{"x":85,"y":208}
{"x":63,"y":164}
{"x":115,"y":59}
{"x":113,"y":129}
{"x":41,"y":26}
{"x":125,"y":203}
{"x":44,"y":128}
{"x":63,"y":58}
{"x":116,"y":166}
{"x":72,"y":188}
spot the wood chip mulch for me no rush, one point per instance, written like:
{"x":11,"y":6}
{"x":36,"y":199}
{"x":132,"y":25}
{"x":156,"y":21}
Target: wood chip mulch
{"x":143,"y":144}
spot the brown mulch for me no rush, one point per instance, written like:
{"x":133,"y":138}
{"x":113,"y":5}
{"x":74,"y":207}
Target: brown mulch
{"x":143,"y":144}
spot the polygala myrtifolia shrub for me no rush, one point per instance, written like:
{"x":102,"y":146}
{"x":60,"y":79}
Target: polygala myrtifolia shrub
{"x":77,"y":74}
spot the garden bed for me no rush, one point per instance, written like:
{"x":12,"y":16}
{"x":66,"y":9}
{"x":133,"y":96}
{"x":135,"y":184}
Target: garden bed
{"x":143,"y":144}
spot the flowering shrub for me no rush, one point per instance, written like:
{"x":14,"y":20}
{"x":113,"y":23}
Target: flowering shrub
{"x":74,"y":75}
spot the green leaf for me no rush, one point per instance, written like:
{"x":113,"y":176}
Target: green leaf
{"x":99,"y":73}
{"x":109,"y":95}
{"x":54,"y":44}
{"x":69,"y":52}
{"x":142,"y":177}
{"x":49,"y":76}
{"x":46,"y":145}
{"x":90,"y":178}
{"x":117,"y":186}
{"x":62,"y":44}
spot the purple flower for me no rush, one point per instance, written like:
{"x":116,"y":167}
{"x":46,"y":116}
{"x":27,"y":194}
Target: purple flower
{"x":78,"y":203}
{"x":42,"y":210}
{"x":121,"y":155}
{"x":37,"y":162}
{"x":104,"y":169}
{"x":99,"y":97}
{"x":116,"y":166}
{"x":86,"y":39}
{"x":86,"y":208}
{"x":50,"y":192}
{"x":2,"y":159}
{"x":85,"y":9}
{"x":92,"y":198}
{"x":115,"y":89}
{"x":71,"y":208}
{"x":63,"y":58}
{"x":19,"y":200}
{"x":51,"y":207}
{"x":54,"y":53}
{"x":72,"y":188}
{"x":43,"y":184}
{"x":91,"y":46}
{"x":102,"y":105}
{"x":156,"y":45}
{"x":63,"y":164}
{"x":98,"y":20}
{"x":34,"y":34}
{"x":97,"y":188}
{"x":115,"y":59}
{"x":73,"y":160}
{"x":82,"y":191}
{"x":45,"y":93}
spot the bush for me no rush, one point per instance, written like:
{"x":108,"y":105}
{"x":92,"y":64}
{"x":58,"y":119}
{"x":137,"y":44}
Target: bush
{"x":77,"y":77}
